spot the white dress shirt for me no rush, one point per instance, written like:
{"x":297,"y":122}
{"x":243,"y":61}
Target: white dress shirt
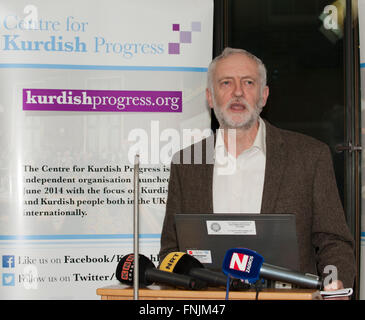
{"x":239,"y":190}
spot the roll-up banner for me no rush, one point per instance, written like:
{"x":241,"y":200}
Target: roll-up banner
{"x":85,"y":86}
{"x":361,"y":14}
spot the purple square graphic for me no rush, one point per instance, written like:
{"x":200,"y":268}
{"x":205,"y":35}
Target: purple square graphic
{"x":175,"y":27}
{"x":174,"y":48}
{"x":185,"y":36}
{"x":196,"y":26}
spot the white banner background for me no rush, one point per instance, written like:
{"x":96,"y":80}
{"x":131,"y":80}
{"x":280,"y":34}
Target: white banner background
{"x":125,"y":46}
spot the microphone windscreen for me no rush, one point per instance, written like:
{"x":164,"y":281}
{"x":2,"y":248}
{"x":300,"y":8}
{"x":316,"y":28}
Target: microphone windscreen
{"x":125,"y":269}
{"x":179,"y":262}
{"x":185,"y":264}
{"x":243,"y":264}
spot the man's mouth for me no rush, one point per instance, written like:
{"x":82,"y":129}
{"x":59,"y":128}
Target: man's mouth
{"x":237,"y":107}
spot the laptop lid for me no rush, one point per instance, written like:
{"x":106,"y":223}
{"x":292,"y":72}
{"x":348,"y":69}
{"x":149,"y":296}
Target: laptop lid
{"x":208,"y":236}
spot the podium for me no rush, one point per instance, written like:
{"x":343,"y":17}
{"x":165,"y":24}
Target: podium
{"x":155,"y":292}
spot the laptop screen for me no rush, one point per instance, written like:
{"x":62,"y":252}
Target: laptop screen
{"x":208,"y":236}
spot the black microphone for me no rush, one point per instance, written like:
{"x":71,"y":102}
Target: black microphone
{"x":247,"y":264}
{"x":148,"y":274}
{"x":183,"y":263}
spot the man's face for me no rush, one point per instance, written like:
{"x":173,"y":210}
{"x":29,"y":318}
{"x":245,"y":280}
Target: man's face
{"x":237,"y":98}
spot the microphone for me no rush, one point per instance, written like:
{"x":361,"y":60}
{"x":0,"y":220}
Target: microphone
{"x":183,"y":263}
{"x":148,"y":274}
{"x":249,"y":265}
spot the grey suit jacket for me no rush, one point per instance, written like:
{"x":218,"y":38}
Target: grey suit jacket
{"x":299,"y":179}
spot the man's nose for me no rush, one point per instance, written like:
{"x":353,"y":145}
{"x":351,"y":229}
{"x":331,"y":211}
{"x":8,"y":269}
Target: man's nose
{"x":238,"y":89}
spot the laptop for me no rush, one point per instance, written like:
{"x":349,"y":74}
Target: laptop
{"x":208,"y":236}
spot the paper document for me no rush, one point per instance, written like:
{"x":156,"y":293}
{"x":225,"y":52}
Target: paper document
{"x":337,"y":293}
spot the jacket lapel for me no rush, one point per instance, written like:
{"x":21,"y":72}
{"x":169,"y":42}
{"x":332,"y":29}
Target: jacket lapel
{"x":208,"y":170}
{"x":275,"y":166}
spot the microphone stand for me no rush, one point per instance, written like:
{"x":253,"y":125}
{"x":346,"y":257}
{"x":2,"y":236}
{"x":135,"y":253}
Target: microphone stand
{"x":136,"y":229}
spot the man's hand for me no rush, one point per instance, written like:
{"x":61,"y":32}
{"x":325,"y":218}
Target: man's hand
{"x":335,"y":285}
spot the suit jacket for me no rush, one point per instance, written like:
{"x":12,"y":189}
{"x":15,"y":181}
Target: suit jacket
{"x":299,"y":179}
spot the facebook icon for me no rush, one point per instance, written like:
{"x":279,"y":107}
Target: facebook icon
{"x":8,"y":261}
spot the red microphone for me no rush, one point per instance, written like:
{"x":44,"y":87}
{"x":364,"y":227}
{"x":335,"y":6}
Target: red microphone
{"x":148,"y":274}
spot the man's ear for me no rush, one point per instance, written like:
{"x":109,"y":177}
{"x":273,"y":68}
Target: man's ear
{"x":209,"y":97}
{"x":265,"y":95}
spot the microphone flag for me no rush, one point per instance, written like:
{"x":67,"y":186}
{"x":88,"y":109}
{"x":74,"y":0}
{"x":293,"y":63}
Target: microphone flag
{"x":243,"y":264}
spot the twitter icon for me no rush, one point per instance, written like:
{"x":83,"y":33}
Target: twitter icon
{"x":8,"y":279}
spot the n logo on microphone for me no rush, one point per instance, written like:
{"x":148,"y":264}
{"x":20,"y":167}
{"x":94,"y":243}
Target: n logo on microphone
{"x":241,"y":262}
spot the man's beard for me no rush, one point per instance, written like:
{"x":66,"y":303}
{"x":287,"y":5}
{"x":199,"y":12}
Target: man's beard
{"x":248,"y":118}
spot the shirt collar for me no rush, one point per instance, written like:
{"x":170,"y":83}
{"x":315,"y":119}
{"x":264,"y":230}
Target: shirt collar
{"x":260,"y":140}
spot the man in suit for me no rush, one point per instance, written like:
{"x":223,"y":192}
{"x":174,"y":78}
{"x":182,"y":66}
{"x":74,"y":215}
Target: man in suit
{"x":275,"y":171}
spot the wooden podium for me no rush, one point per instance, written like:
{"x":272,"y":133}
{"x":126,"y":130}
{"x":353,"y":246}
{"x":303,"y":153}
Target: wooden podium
{"x":123,"y":292}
